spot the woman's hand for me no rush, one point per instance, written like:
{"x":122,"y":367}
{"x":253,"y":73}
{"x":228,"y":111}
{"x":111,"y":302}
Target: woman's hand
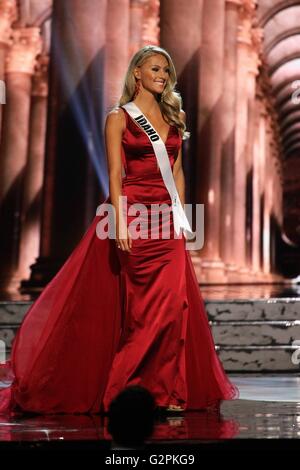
{"x":123,"y":237}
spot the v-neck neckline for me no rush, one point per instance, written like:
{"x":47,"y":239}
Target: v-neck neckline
{"x":139,"y":127}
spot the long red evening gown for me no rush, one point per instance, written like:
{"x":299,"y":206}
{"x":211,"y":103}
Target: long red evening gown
{"x":110,"y":318}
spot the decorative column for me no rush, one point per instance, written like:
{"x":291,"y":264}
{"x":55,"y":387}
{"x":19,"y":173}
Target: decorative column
{"x":33,"y":181}
{"x":137,"y":8}
{"x":8,"y":14}
{"x":266,"y":239}
{"x":151,"y":20}
{"x":228,"y":136}
{"x":75,"y":180}
{"x":246,"y":15}
{"x":258,"y":155}
{"x":176,"y":20}
{"x":275,"y":174}
{"x":253,"y":70}
{"x":262,"y":171}
{"x":273,"y":199}
{"x":21,"y":59}
{"x":144,"y":20}
{"x":276,"y":210}
{"x":267,"y":174}
{"x":210,"y":125}
{"x":116,"y":57}
{"x":136,"y":25}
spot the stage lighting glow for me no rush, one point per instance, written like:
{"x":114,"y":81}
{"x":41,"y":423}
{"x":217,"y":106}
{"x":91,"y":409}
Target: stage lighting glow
{"x":81,"y":100}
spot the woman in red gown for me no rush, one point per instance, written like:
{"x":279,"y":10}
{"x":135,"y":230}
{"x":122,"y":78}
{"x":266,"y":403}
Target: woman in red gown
{"x":128,"y":310}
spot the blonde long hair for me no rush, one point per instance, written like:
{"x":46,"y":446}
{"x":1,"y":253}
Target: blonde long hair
{"x":169,"y":100}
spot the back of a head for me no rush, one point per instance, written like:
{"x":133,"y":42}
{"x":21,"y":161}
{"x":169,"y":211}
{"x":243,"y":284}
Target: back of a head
{"x":131,"y":416}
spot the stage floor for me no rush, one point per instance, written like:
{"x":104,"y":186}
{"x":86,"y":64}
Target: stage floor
{"x":268,"y":407}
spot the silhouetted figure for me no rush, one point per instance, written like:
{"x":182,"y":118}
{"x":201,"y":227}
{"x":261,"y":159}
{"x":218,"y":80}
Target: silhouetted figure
{"x":131,"y":418}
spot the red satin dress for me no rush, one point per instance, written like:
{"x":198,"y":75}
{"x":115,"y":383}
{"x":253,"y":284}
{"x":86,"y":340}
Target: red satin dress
{"x":110,"y":318}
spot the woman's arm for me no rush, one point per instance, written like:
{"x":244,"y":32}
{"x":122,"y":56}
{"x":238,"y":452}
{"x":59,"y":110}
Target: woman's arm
{"x":178,"y":171}
{"x":114,"y":126}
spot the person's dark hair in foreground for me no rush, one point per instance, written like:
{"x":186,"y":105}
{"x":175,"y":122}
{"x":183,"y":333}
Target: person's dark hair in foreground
{"x":131,"y":417}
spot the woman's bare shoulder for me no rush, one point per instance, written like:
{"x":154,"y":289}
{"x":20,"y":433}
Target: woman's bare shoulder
{"x":116,"y":118}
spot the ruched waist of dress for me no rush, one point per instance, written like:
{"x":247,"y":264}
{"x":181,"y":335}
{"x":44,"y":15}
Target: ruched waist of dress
{"x":144,"y":178}
{"x":148,"y":189}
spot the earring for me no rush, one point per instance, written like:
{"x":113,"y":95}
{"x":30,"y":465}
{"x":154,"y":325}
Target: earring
{"x":137,"y":89}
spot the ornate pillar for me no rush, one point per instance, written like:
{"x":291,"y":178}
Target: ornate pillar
{"x":258,"y":154}
{"x":276,"y":210}
{"x":75,"y":164}
{"x":272,"y":198}
{"x":269,"y":174}
{"x":262,"y":166}
{"x":210,"y":124}
{"x":228,"y":136}
{"x":151,"y":20}
{"x":144,"y":20}
{"x":8,"y":14}
{"x":116,"y":57}
{"x":176,"y":20}
{"x":266,"y":208}
{"x":246,"y":15}
{"x":253,"y":70}
{"x":21,"y":59}
{"x":33,"y":181}
{"x":136,"y":25}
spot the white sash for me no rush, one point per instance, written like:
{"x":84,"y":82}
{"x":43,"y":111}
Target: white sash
{"x":179,"y":217}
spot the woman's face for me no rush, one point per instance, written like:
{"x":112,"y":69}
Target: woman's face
{"x":154,"y":73}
